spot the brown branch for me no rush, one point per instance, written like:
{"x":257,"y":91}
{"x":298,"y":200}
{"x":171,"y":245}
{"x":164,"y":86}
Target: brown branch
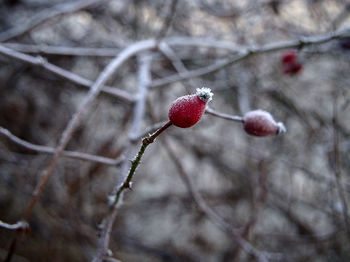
{"x":246,"y":52}
{"x":41,"y":62}
{"x":144,"y":77}
{"x":51,"y":150}
{"x":44,"y":16}
{"x":126,"y":184}
{"x":74,"y":122}
{"x":150,"y":129}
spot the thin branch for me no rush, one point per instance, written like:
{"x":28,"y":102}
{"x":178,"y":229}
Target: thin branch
{"x":212,"y":112}
{"x":74,"y":122}
{"x":247,"y":52}
{"x":168,"y":21}
{"x":63,"y":50}
{"x":151,"y":129}
{"x":337,"y":170}
{"x":169,"y":53}
{"x":135,"y":163}
{"x":260,"y":190}
{"x":110,"y":52}
{"x":20,"y":225}
{"x":144,"y":77}
{"x":126,"y":184}
{"x":44,"y":16}
{"x":41,"y":62}
{"x":51,"y":150}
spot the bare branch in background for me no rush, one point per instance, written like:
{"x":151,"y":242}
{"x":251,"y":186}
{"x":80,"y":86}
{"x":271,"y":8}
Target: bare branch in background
{"x":213,"y":216}
{"x":144,"y":80}
{"x":44,"y":16}
{"x":73,"y":123}
{"x":51,"y":150}
{"x":63,"y":50}
{"x":263,"y":199}
{"x":168,"y":20}
{"x":337,"y":171}
{"x":246,"y":52}
{"x":41,"y":62}
{"x":21,"y":225}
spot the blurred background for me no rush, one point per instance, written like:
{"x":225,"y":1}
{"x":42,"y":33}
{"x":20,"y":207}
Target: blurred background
{"x":285,"y":195}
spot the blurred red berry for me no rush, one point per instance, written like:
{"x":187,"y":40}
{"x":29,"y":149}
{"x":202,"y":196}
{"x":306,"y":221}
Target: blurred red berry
{"x":292,"y":68}
{"x":187,"y":110}
{"x":289,"y":57}
{"x":261,"y":123}
{"x":290,"y":63}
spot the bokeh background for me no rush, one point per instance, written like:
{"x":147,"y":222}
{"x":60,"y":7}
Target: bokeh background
{"x":286,"y":195}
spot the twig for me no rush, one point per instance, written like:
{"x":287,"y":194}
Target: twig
{"x":212,"y":112}
{"x":168,"y":21}
{"x":337,"y":171}
{"x":110,"y":52}
{"x":135,"y":163}
{"x":20,"y":225}
{"x":169,"y":53}
{"x":63,"y":50}
{"x":144,"y":77}
{"x":72,"y":125}
{"x":126,"y":184}
{"x":44,"y":16}
{"x":151,"y":129}
{"x":51,"y":150}
{"x":41,"y":62}
{"x":246,"y":52}
{"x":259,"y":187}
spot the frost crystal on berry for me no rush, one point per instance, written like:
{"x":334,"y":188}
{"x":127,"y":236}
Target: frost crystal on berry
{"x":204,"y":94}
{"x":281,"y":128}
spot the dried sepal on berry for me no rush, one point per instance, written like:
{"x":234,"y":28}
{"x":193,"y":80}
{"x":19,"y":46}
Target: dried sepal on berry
{"x":261,"y":123}
{"x":204,"y":94}
{"x":187,"y":110}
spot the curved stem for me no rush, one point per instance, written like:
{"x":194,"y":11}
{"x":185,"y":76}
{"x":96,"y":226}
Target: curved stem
{"x":211,"y":111}
{"x":146,"y":141}
{"x":126,"y":184}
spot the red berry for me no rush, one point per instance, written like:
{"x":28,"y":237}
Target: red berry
{"x":290,"y":63}
{"x":292,"y":68}
{"x":261,"y":123}
{"x":187,"y":110}
{"x":289,"y":57}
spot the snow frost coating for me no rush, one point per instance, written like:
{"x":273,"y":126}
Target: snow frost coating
{"x":204,"y":94}
{"x":261,"y":123}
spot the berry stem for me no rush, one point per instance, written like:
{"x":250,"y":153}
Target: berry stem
{"x":146,"y":141}
{"x":211,"y":111}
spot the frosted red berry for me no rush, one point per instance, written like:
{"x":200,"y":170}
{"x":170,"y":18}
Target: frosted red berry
{"x":187,"y":110}
{"x":261,"y":123}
